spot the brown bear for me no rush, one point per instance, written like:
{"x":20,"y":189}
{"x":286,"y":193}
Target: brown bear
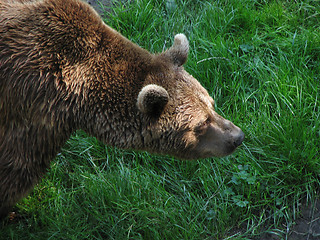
{"x":62,"y":69}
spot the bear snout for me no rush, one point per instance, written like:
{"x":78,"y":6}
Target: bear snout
{"x":233,"y":132}
{"x":238,"y":139}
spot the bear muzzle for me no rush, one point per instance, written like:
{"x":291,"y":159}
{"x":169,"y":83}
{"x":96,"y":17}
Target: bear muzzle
{"x":238,"y":139}
{"x":233,"y":134}
{"x":222,"y":138}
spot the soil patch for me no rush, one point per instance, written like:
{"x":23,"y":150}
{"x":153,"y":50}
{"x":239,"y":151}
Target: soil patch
{"x":306,"y":227}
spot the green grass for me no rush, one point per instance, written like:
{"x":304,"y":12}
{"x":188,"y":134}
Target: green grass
{"x":260,"y":60}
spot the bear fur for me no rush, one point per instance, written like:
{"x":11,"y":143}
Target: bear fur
{"x":63,"y":69}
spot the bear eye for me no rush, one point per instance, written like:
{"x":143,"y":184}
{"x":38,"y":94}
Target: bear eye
{"x":201,"y":128}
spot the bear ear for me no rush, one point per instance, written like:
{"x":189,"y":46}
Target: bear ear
{"x":152,"y":99}
{"x":178,"y":53}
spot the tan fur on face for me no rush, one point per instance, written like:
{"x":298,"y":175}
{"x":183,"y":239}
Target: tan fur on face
{"x":194,"y":107}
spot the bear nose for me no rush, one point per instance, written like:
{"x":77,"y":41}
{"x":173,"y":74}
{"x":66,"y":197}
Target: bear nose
{"x":238,"y":139}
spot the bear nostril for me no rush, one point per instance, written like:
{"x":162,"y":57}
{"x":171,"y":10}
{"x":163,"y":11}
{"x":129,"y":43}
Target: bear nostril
{"x":239,"y":139}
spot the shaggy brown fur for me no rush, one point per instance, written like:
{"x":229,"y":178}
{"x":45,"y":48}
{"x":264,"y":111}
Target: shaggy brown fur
{"x":62,"y":69}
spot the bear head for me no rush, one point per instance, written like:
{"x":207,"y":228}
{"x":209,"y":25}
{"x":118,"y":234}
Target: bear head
{"x":178,"y":115}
